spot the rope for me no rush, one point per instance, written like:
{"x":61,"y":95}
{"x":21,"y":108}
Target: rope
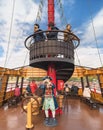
{"x":40,"y":10}
{"x":25,"y":58}
{"x":8,"y":45}
{"x":79,"y":61}
{"x":9,"y":34}
{"x":78,"y":58}
{"x":59,"y":2}
{"x":38,"y":18}
{"x":17,"y":38}
{"x":61,"y":11}
{"x":94,"y":33}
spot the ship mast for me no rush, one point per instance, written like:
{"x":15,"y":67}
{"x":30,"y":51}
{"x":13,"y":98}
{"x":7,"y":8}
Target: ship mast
{"x":51,"y":17}
{"x":51,"y":67}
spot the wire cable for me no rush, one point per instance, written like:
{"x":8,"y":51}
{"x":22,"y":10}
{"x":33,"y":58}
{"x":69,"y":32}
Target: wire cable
{"x":40,"y":10}
{"x":8,"y":45}
{"x":17,"y":38}
{"x":59,"y":2}
{"x":9,"y":34}
{"x":94,"y":32}
{"x":78,"y":58}
{"x":61,"y":11}
{"x":37,"y":20}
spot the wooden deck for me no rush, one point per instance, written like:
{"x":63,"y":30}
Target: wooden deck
{"x":78,"y":117}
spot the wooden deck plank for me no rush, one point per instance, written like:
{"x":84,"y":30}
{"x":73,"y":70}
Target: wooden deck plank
{"x":78,"y":117}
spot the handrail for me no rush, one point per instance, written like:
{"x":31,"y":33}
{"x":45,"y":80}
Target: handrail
{"x":58,"y":31}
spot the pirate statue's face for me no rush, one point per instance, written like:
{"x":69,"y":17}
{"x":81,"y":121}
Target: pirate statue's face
{"x":47,"y":82}
{"x":49,"y":85}
{"x":48,"y":90}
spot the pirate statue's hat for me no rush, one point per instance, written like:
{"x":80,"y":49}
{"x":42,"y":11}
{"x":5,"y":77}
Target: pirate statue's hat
{"x":47,"y":77}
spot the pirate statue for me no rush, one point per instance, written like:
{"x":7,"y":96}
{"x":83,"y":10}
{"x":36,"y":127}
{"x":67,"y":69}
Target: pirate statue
{"x":49,"y":101}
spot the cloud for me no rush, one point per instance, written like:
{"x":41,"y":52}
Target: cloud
{"x":25,"y":13}
{"x":1,"y":51}
{"x":23,"y":19}
{"x":17,"y":59}
{"x":88,"y":57}
{"x":91,"y":42}
{"x":92,"y":29}
{"x":63,"y":10}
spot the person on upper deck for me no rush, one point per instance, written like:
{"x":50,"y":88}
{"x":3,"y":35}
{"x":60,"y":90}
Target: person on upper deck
{"x":39,"y":36}
{"x":52,"y":35}
{"x":68,"y":37}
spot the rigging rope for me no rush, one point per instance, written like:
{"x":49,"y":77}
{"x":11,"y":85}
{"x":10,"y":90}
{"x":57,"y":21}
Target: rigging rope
{"x":40,"y":7}
{"x":78,"y":58}
{"x":9,"y":34}
{"x":38,"y":19}
{"x":40,"y":10}
{"x":64,"y":19}
{"x":59,"y":2}
{"x":25,"y":58}
{"x":92,"y":22}
{"x":17,"y":39}
{"x":61,"y":11}
{"x":8,"y":40}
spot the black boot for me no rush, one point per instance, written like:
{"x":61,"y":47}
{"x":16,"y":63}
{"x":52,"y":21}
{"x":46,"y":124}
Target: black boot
{"x":46,"y":121}
{"x":52,"y":122}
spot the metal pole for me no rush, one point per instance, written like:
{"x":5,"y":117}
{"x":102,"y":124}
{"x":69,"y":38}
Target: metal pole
{"x":29,"y":116}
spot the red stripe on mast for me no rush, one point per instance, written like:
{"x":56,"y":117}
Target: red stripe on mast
{"x":51,"y":17}
{"x":51,"y":67}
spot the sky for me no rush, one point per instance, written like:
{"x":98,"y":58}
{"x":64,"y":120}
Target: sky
{"x":17,"y":18}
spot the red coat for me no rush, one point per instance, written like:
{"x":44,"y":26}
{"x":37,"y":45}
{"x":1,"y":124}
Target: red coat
{"x":33,"y":87}
{"x":17,"y":92}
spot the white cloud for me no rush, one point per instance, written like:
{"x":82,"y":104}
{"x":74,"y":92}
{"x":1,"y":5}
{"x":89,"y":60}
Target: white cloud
{"x":88,"y":30}
{"x":88,"y":57}
{"x":89,"y":49}
{"x":17,"y":59}
{"x":24,"y":15}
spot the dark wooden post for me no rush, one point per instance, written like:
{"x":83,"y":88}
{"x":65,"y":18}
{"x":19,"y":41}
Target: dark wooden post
{"x":5,"y":89}
{"x":82,"y":82}
{"x":21,"y":87}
